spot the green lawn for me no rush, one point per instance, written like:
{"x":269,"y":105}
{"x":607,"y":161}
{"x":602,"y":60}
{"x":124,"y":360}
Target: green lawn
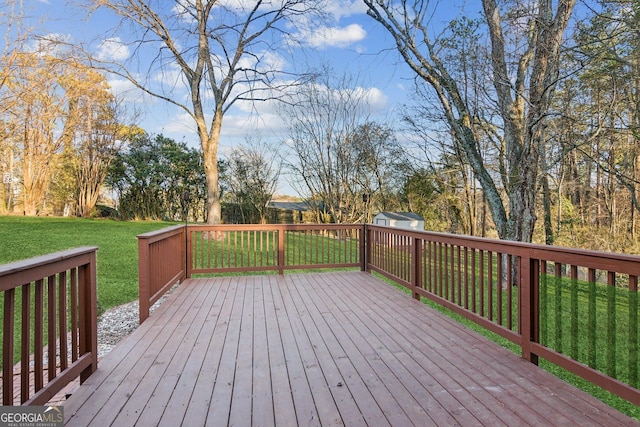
{"x":26,"y":237}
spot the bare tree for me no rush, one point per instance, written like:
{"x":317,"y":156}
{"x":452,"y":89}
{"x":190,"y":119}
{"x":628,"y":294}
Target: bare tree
{"x":525,"y":50}
{"x":253,"y":172}
{"x":338,"y":153}
{"x":222,"y":51}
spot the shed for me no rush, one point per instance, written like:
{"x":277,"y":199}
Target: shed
{"x":409,"y":220}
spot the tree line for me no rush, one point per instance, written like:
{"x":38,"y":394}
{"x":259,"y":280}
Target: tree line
{"x":524,"y":123}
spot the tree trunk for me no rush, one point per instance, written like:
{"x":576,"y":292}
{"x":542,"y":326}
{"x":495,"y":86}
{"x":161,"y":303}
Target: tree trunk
{"x":210,"y":143}
{"x":549,"y":237}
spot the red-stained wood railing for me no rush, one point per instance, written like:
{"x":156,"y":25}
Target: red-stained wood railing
{"x":165,"y":258}
{"x":50,"y":320}
{"x":161,"y":264}
{"x":575,"y":308}
{"x":578,"y":309}
{"x":273,"y":247}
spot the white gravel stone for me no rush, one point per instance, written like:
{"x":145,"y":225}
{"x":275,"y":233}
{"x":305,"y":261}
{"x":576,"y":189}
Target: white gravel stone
{"x":118,"y":322}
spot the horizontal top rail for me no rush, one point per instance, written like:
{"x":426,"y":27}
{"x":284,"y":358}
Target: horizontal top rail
{"x":621,"y":263}
{"x":154,"y":236}
{"x":17,"y":273}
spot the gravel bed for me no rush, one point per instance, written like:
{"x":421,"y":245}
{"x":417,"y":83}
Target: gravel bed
{"x":118,"y":322}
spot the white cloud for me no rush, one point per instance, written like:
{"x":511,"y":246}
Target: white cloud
{"x":181,"y":124}
{"x":345,"y":8}
{"x":113,"y":49}
{"x":375,"y":99}
{"x":51,"y":44}
{"x":127,"y":91}
{"x":324,"y":37}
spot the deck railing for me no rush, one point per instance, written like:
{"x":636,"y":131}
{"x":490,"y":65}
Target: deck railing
{"x":576,"y":308}
{"x":161,"y":264}
{"x":244,"y":248}
{"x":164,"y":254}
{"x":50,"y":303}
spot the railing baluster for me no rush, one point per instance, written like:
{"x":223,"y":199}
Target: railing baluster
{"x":499,"y":257}
{"x":481,"y":277}
{"x":8,"y":338}
{"x":39,"y":335}
{"x":611,"y":323}
{"x":51,"y":326}
{"x":574,"y":312}
{"x":490,"y":286}
{"x":459,"y":270}
{"x":591,"y":333}
{"x":633,"y":331}
{"x":544,"y":302}
{"x":466,"y":278}
{"x":62,"y":317}
{"x":25,"y":351}
{"x":558,"y":307}
{"x":510,"y":292}
{"x":473,"y":281}
{"x":74,"y":315}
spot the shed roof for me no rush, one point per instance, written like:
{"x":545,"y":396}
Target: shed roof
{"x":402,"y":216}
{"x":293,"y":206}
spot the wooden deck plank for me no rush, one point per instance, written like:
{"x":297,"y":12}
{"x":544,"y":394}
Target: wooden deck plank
{"x":501,"y":371}
{"x":157,"y":366}
{"x":197,"y":410}
{"x":415,"y":405}
{"x":327,"y":411}
{"x":130,"y":359}
{"x":304,"y":406}
{"x":442,"y":391}
{"x":352,"y":383}
{"x":241,"y":398}
{"x":454,"y":368}
{"x":503,"y":374}
{"x":262,"y":396}
{"x":220,"y":406}
{"x":283,"y":406}
{"x":428,"y":407}
{"x":318,"y":349}
{"x":172,"y":393}
{"x":318,"y":335}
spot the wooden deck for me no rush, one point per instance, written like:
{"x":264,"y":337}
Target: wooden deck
{"x":318,"y":349}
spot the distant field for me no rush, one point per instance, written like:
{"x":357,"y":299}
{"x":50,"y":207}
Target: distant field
{"x":26,"y":237}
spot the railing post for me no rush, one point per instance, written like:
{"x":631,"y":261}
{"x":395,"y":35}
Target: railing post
{"x":144,"y":286}
{"x":281,"y":240}
{"x":187,"y":252}
{"x":89,"y":316}
{"x":416,"y":273}
{"x":529,"y":306}
{"x":363,"y":247}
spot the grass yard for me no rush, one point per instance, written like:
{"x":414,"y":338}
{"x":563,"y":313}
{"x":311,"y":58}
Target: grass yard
{"x":26,"y":237}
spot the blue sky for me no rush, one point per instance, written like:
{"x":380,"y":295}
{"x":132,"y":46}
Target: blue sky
{"x":349,"y":41}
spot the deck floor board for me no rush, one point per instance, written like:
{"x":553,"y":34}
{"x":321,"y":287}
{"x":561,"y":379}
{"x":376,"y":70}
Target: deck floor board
{"x":330,"y":349}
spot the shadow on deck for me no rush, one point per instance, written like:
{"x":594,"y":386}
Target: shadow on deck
{"x":318,"y":349}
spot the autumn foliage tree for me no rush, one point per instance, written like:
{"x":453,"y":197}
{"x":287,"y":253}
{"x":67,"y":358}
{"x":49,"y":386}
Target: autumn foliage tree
{"x":58,"y":105}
